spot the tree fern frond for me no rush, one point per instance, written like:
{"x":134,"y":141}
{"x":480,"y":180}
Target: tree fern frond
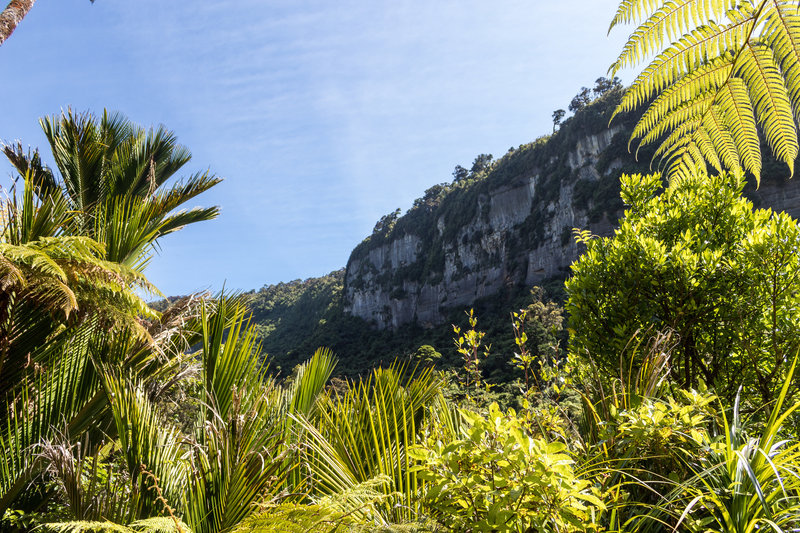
{"x":693,"y":109}
{"x":33,"y":258}
{"x":702,"y":148}
{"x":51,"y":294}
{"x":770,"y":100}
{"x":709,"y":77}
{"x":82,"y":247}
{"x":685,"y":161}
{"x":679,"y":137}
{"x":734,"y":103}
{"x":675,"y":152}
{"x":673,"y":19}
{"x":701,"y":139}
{"x":10,"y":274}
{"x":731,"y":68}
{"x":632,"y":11}
{"x":159,"y":525}
{"x":690,"y":52}
{"x":782,"y":31}
{"x":295,"y":518}
{"x":724,"y":145}
{"x":84,"y":527}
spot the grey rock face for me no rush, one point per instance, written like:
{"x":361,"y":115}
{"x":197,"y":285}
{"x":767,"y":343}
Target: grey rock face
{"x":478,"y":262}
{"x":514,"y":239}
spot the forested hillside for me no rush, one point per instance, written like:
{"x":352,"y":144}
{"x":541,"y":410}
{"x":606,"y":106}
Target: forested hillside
{"x":572,"y":181}
{"x":293,"y":319}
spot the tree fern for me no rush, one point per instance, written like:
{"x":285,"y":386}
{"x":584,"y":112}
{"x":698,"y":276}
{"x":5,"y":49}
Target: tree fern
{"x":150,"y":525}
{"x":719,"y":68}
{"x":85,"y":527}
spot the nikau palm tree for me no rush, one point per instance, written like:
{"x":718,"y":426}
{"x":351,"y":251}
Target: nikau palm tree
{"x":74,"y":246}
{"x":72,"y":249}
{"x":112,"y":175}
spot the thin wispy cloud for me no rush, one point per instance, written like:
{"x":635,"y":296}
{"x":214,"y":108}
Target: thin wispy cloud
{"x":321,"y":116}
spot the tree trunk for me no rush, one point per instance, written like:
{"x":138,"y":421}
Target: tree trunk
{"x":12,"y":15}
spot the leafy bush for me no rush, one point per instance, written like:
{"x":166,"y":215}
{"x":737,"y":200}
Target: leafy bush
{"x":740,"y":483}
{"x":699,"y":261}
{"x":500,"y":478}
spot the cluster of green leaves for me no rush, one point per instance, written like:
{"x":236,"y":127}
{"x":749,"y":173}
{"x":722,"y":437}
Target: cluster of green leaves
{"x":667,"y":457}
{"x":469,"y":345}
{"x":742,"y":483}
{"x":255,"y":444}
{"x":697,"y":260}
{"x":499,"y":477}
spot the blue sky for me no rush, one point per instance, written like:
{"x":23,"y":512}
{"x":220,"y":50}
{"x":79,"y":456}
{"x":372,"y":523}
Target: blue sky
{"x":321,"y":116}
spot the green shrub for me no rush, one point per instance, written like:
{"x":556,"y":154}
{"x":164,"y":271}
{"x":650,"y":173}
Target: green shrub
{"x":500,"y":478}
{"x":747,"y":480}
{"x":699,"y":261}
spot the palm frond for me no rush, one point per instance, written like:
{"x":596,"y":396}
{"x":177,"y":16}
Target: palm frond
{"x":30,"y":164}
{"x":230,"y":361}
{"x":88,"y":482}
{"x":113,"y":178}
{"x":240,"y":455}
{"x":365,"y":434}
{"x":43,"y":401}
{"x":310,"y":381}
{"x":150,"y":446}
{"x":240,"y":463}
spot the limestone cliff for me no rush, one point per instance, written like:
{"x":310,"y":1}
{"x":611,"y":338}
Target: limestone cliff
{"x":506,"y":229}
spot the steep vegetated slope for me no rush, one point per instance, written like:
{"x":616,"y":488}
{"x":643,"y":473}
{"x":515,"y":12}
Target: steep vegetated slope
{"x":506,"y":228}
{"x":497,"y":230}
{"x":483,"y":240}
{"x":293,"y":319}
